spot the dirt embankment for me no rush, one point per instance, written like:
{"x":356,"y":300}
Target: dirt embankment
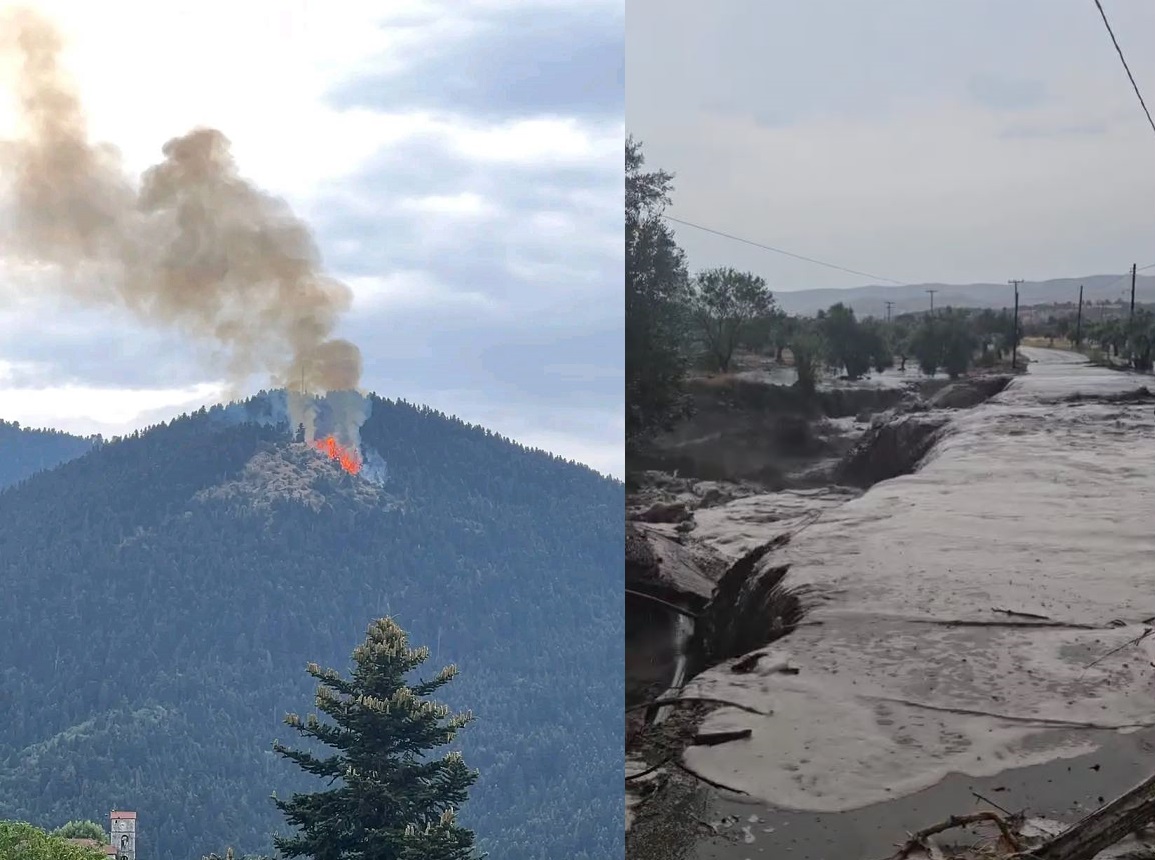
{"x":768,"y":434}
{"x":891,"y":449}
{"x":776,"y":437}
{"x":897,"y":443}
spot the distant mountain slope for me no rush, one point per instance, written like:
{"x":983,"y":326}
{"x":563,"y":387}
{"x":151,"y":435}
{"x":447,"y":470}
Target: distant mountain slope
{"x":24,"y":452}
{"x":871,"y":301}
{"x":163,"y":594}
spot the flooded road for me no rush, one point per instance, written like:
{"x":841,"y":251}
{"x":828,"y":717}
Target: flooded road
{"x":964,"y":635}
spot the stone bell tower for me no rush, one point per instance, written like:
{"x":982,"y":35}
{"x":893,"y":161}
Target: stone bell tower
{"x":122,"y":834}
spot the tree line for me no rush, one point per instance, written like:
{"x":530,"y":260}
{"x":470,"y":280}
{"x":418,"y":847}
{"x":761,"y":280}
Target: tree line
{"x":1125,"y":336}
{"x":677,"y":321}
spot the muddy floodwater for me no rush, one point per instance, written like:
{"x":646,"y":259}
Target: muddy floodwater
{"x":963,"y":636}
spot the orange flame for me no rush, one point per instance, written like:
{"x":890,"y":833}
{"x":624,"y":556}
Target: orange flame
{"x":350,"y":460}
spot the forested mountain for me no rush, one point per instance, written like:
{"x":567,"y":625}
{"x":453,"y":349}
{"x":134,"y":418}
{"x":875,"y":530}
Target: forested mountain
{"x":24,"y":452}
{"x":163,"y":593}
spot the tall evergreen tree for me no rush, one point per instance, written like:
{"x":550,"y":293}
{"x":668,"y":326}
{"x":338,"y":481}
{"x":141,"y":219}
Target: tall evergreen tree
{"x":392,"y":802}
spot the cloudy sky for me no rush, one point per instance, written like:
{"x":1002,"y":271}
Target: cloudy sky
{"x":959,"y":142}
{"x":460,"y":162}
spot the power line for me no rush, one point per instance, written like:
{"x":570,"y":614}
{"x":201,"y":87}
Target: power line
{"x":832,"y":265}
{"x":1122,"y":278}
{"x":1123,"y":60}
{"x":785,"y":253}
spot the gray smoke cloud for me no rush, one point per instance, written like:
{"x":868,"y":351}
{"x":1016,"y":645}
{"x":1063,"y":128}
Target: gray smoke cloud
{"x":191,"y":245}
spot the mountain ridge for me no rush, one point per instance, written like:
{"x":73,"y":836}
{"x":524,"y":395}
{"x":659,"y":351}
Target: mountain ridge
{"x":910,"y":298}
{"x":24,"y":451}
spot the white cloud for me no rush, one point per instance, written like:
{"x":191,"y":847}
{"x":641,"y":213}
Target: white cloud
{"x":111,"y":411}
{"x":409,"y":290}
{"x":549,"y":141}
{"x":464,"y":205}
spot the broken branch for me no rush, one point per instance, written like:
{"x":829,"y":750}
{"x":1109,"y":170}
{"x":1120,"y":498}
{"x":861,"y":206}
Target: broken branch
{"x":1128,"y":644}
{"x":681,"y":765}
{"x":711,"y":739}
{"x":683,"y":700}
{"x":671,"y":606}
{"x":919,"y":837}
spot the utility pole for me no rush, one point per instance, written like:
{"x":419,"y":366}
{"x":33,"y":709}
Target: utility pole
{"x":1015,"y":335}
{"x":889,"y":305}
{"x":1079,"y":320}
{"x":932,"y":292}
{"x":1131,"y":318}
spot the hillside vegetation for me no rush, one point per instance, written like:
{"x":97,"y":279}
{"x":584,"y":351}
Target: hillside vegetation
{"x":163,"y":594}
{"x":24,"y":452}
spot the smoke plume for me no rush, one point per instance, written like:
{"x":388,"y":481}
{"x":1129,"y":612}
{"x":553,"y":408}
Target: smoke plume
{"x":191,"y":245}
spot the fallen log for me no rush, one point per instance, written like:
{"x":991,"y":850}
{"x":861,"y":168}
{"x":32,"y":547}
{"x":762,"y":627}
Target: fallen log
{"x":918,"y":839}
{"x":1103,"y":827}
{"x":711,"y":739}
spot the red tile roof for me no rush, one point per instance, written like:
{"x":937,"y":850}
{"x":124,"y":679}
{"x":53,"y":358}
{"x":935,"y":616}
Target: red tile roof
{"x":114,"y":815}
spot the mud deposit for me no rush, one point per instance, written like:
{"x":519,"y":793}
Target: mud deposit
{"x":1063,"y":790}
{"x":961,"y":609}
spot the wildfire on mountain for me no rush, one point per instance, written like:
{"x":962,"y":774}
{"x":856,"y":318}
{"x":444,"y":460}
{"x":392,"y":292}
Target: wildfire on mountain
{"x":348,"y":459}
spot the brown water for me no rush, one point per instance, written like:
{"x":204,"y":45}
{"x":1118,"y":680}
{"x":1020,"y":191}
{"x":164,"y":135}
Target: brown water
{"x":917,"y":682}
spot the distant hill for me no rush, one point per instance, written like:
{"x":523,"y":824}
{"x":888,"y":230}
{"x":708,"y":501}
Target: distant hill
{"x":871,"y":301}
{"x":24,"y":452}
{"x":163,"y":593}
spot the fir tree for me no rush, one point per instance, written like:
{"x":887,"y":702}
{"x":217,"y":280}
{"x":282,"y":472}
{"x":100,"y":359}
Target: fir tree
{"x":389,"y":800}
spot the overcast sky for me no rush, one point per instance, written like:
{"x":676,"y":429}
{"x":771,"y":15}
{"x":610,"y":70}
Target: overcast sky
{"x":460,"y":162}
{"x":959,"y":142}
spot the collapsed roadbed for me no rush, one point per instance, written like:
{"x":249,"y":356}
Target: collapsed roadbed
{"x":667,"y":777}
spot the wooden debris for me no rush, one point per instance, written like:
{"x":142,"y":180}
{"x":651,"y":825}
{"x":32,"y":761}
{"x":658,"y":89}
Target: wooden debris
{"x":711,"y":739}
{"x":1086,"y":839}
{"x":918,"y":839}
{"x":990,"y":802}
{"x":690,"y":700}
{"x":682,"y":766}
{"x":1147,"y":632}
{"x":1012,"y":612}
{"x":641,"y":774}
{"x":1103,"y":827}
